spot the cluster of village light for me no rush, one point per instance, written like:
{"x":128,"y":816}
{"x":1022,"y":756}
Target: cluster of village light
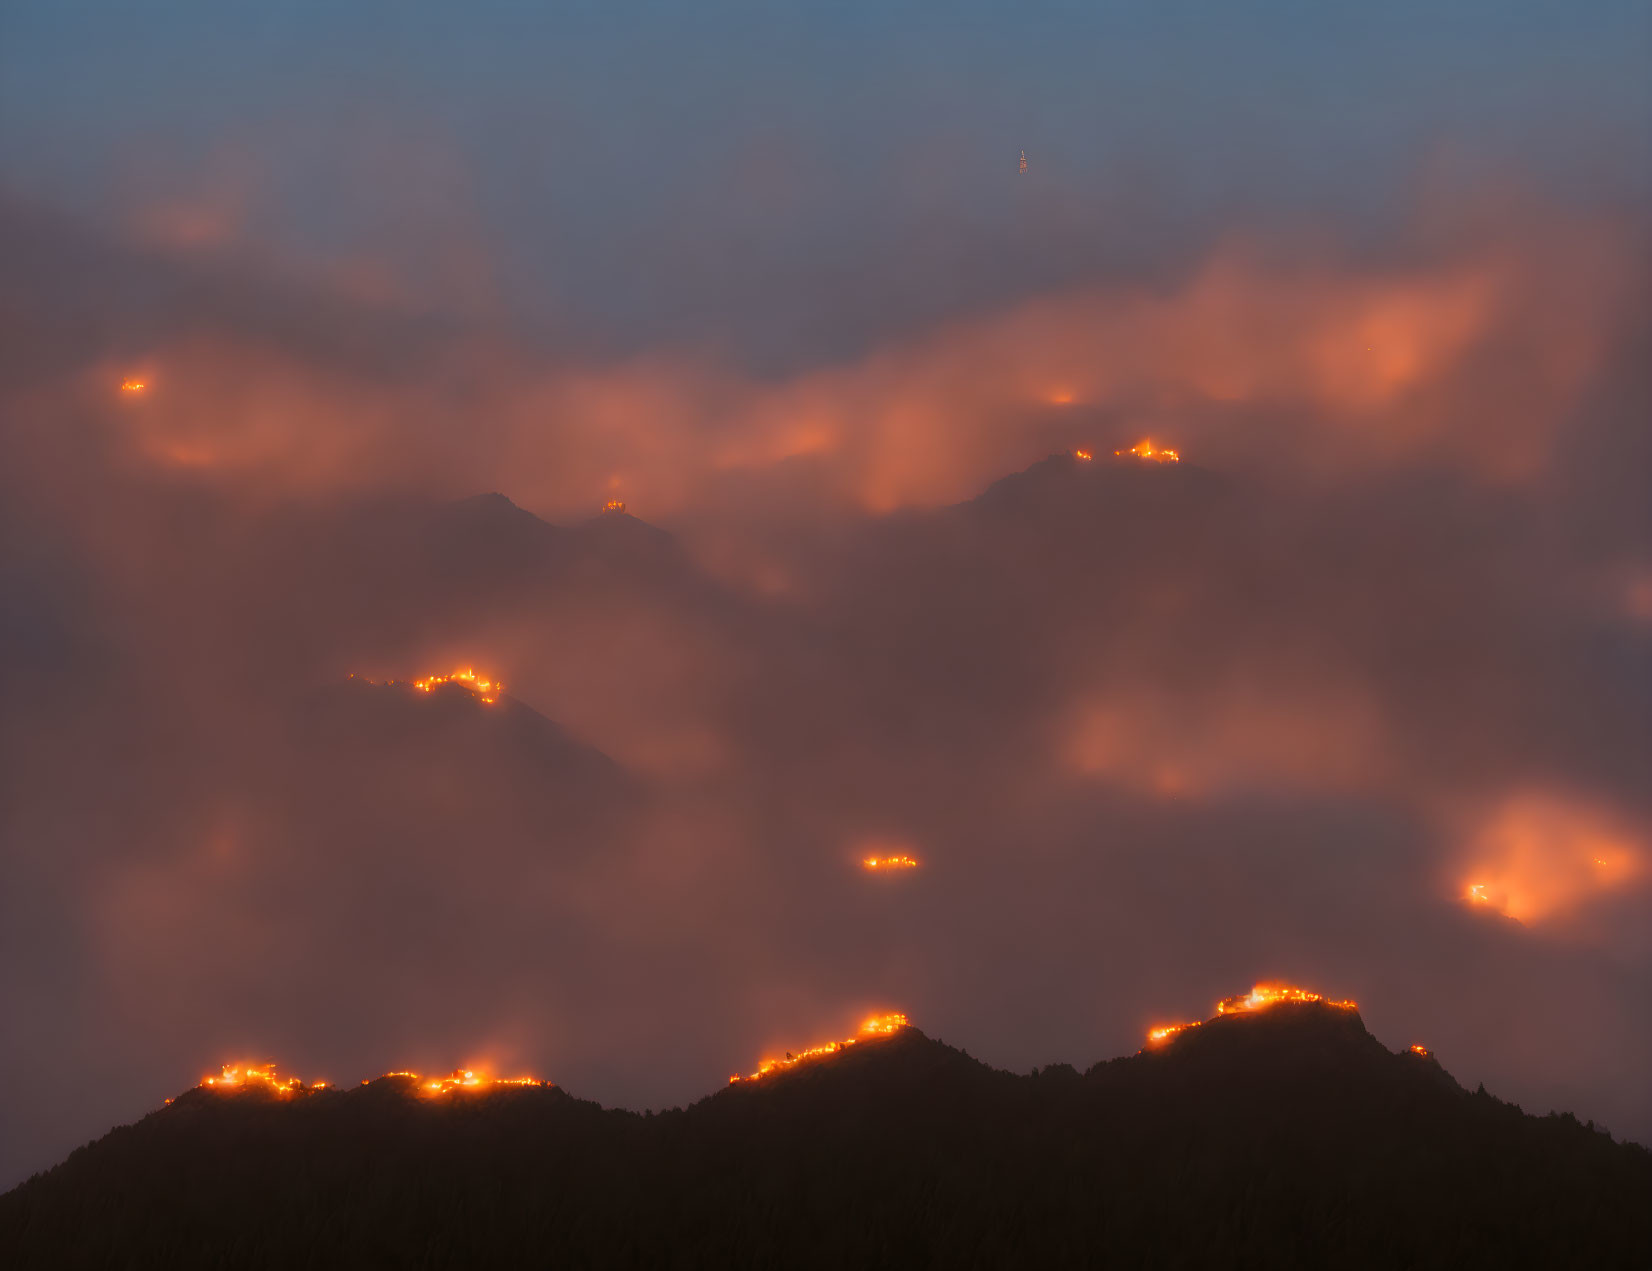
{"x":235,"y":1078}
{"x":263,"y":1077}
{"x":465,"y":1079}
{"x":888,"y":862}
{"x":486,"y":690}
{"x":1141,"y":450}
{"x":1147,"y":450}
{"x":878,"y":1026}
{"x":1259,"y":998}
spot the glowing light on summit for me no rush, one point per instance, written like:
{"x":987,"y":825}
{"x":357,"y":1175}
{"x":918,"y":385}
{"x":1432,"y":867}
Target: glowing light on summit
{"x":884,"y":1025}
{"x":1166,"y":1031}
{"x":233,"y":1078}
{"x":1265,"y":995}
{"x":1260,"y":998}
{"x":878,"y":863}
{"x":486,"y":690}
{"x":614,"y":505}
{"x":463,"y":1079}
{"x":133,"y":386}
{"x":1146,"y":450}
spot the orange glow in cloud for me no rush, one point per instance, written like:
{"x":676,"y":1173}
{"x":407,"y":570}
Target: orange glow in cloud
{"x":932,"y":418}
{"x":1637,"y":599}
{"x":1161,"y":744}
{"x":879,"y":864}
{"x":133,"y":386}
{"x":1541,"y":857}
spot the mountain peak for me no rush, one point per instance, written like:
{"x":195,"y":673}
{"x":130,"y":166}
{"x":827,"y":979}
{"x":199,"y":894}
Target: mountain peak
{"x":1269,"y":999}
{"x":1276,"y":1132}
{"x":1290,"y":1034}
{"x":1278,"y":1025}
{"x":878,"y":1027}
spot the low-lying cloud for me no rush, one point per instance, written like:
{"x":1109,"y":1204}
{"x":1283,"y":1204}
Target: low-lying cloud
{"x":1154,"y":732}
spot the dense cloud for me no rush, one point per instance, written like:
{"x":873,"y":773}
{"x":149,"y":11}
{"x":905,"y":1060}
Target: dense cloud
{"x":1155,"y":731}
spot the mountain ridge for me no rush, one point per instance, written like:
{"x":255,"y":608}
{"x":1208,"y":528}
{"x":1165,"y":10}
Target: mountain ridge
{"x":1287,"y":1137}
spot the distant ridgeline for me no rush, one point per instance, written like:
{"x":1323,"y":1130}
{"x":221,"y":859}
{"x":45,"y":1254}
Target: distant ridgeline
{"x":1278,"y":1133}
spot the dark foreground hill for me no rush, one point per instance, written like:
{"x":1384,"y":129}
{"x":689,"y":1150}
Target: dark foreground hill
{"x":1285,"y":1138}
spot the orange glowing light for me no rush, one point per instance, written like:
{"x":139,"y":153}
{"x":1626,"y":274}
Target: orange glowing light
{"x":238,"y":1077}
{"x":1085,"y":455}
{"x":132,"y":386}
{"x":888,"y":862}
{"x":1166,"y":1031}
{"x":613,"y":505}
{"x":884,"y":1025}
{"x":485,"y":690}
{"x":1147,"y":450}
{"x":234,"y":1078}
{"x":1424,"y":1051}
{"x":1539,"y":856}
{"x":1265,"y":995}
{"x":1259,"y":998}
{"x":463,"y":1079}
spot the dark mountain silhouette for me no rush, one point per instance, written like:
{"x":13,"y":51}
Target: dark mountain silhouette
{"x":1288,"y":1137}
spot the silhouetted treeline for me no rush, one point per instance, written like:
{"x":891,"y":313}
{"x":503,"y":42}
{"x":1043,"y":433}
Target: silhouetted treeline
{"x":1286,"y":1139}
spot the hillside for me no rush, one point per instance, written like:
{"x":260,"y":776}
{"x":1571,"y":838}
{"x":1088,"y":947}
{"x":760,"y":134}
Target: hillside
{"x":1289,"y":1137}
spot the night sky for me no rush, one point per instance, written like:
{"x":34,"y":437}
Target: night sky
{"x":1357,"y":695}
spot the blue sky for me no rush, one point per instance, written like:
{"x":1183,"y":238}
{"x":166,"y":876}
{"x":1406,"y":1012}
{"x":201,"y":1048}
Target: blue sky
{"x":638,"y":174}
